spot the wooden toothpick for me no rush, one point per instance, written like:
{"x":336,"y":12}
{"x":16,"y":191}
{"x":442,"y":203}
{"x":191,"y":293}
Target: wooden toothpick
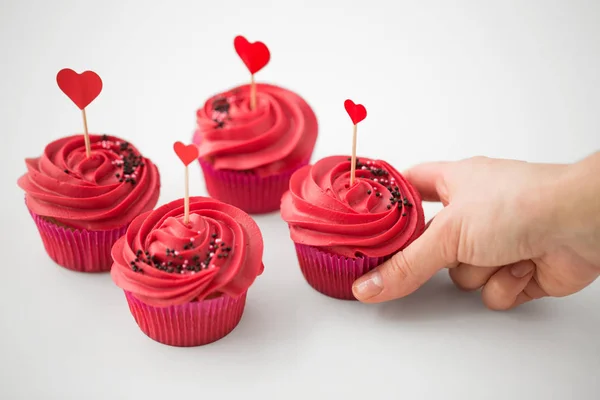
{"x":252,"y":92}
{"x":187,"y":154}
{"x":82,"y":89}
{"x":86,"y":136}
{"x":356,"y":112}
{"x":186,"y":201}
{"x":255,"y":56}
{"x":353,"y":166}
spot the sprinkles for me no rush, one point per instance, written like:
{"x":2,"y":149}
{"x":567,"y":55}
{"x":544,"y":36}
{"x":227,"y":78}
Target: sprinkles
{"x":178,"y":264}
{"x":220,"y":111}
{"x":129,"y":162}
{"x":381,"y":176}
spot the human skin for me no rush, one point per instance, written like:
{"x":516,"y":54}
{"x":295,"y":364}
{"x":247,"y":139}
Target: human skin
{"x":516,"y":230}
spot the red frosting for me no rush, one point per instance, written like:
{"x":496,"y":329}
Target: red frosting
{"x":276,"y":136}
{"x":164,"y":262}
{"x":379,"y":215}
{"x":103,"y":192}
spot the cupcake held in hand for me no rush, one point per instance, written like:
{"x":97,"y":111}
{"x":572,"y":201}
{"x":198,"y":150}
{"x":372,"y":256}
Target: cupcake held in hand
{"x":252,"y":138}
{"x":342,"y":231}
{"x":186,"y":283}
{"x":347,"y":215}
{"x":84,"y":190}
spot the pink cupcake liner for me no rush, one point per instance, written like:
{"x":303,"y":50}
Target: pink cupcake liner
{"x":332,"y":274}
{"x":192,"y":324}
{"x":78,"y":249}
{"x":246,"y":191}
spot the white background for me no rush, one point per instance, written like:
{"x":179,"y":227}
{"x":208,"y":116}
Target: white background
{"x":440,"y":80}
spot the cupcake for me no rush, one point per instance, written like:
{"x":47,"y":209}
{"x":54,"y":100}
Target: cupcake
{"x":342,"y":232}
{"x":82,"y":205}
{"x":186,"y":284}
{"x":248,"y":156}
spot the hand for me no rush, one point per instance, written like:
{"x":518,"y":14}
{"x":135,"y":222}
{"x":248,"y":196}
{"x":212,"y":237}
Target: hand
{"x":519,"y":231}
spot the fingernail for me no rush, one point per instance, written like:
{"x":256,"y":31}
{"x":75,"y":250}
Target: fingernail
{"x":521,"y":269}
{"x":368,"y":286}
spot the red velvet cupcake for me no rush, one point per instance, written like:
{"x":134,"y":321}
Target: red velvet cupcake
{"x":186,"y":284}
{"x":248,"y":156}
{"x":342,"y":232}
{"x":82,"y":205}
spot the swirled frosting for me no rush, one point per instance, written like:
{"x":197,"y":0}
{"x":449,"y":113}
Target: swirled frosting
{"x":163,"y":261}
{"x":102,"y":192}
{"x":379,"y":215}
{"x":280,"y":133}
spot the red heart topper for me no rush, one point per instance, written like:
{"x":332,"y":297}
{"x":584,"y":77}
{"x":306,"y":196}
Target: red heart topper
{"x":255,"y":55}
{"x":357,"y":112}
{"x":187,"y":154}
{"x":82,"y":88}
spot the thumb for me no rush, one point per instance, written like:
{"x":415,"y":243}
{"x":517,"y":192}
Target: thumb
{"x":410,"y":268}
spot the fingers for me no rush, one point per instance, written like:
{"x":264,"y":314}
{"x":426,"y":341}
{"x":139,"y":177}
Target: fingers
{"x":506,"y":288}
{"x":532,"y":291}
{"x":468,"y":277}
{"x":428,"y":180}
{"x":503,"y":287}
{"x":407,"y":270}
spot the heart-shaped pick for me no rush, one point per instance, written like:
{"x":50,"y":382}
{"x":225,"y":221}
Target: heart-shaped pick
{"x":255,"y":55}
{"x":187,"y":154}
{"x":82,"y":88}
{"x":357,"y":112}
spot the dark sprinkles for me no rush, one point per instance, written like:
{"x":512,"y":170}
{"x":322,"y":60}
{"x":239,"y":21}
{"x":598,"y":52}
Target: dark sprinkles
{"x":382,"y":176}
{"x":129,"y":161}
{"x":221,"y":105}
{"x":178,"y":264}
{"x":220,"y":113}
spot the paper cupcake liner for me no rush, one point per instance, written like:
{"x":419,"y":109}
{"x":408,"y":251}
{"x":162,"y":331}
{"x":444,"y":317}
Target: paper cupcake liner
{"x":246,"y":191}
{"x":191,"y":324}
{"x":332,"y":274}
{"x":78,"y":249}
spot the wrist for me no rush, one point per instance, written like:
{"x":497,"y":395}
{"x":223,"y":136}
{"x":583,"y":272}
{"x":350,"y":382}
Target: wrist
{"x":576,"y":202}
{"x":546,"y":209}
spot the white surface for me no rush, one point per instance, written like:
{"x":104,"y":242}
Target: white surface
{"x":441,"y":80}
